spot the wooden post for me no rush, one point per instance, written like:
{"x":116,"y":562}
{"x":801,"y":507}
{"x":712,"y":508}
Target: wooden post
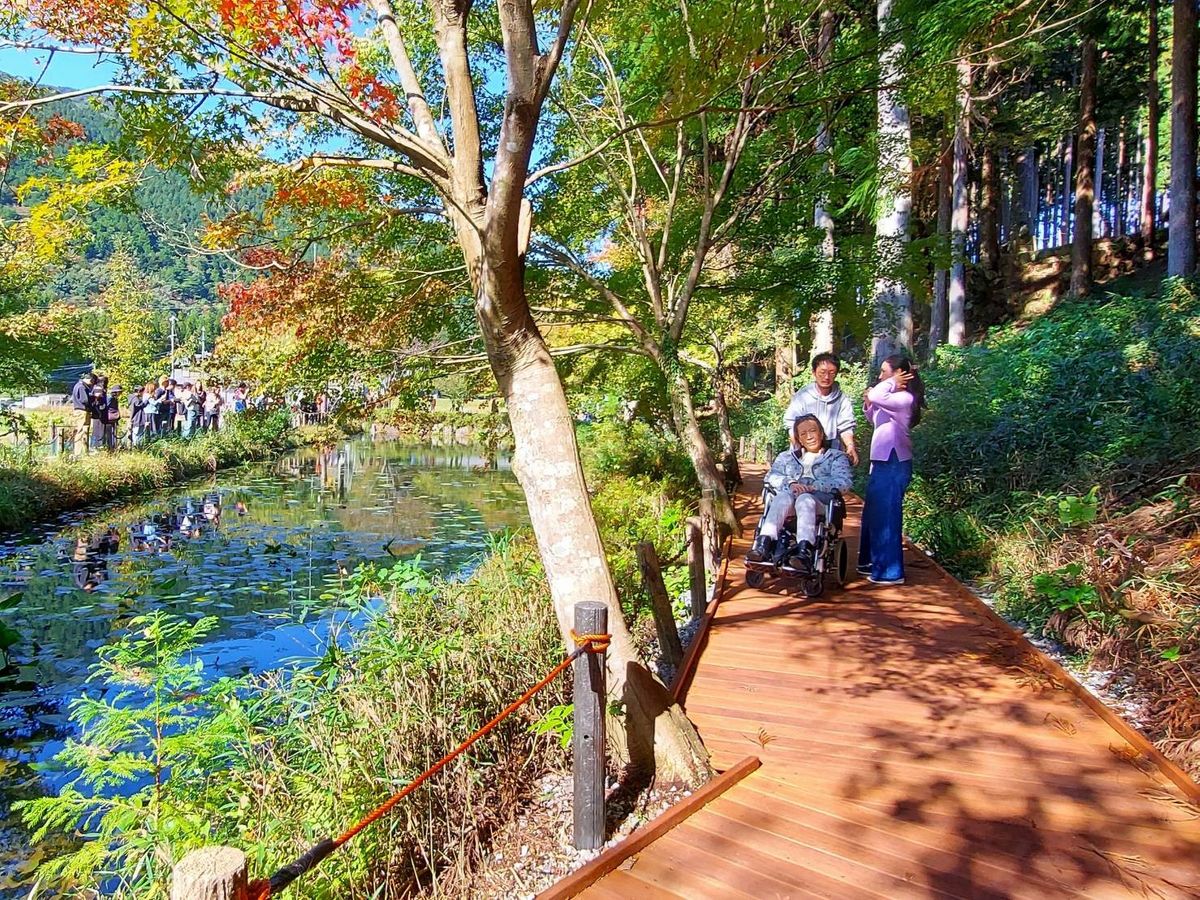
{"x":660,"y":604}
{"x":589,"y":735}
{"x":708,"y":528}
{"x":699,"y":584}
{"x":210,"y":873}
{"x":54,"y":439}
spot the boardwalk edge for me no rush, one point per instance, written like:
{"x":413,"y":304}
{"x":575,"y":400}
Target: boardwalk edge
{"x":1142,"y":744}
{"x":585,"y":876}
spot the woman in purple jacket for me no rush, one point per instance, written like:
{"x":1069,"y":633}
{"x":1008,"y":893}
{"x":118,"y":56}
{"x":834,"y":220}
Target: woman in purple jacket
{"x":894,"y":407}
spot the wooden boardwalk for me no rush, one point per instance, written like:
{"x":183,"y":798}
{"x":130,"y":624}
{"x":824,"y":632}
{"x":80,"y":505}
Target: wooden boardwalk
{"x":910,"y":748}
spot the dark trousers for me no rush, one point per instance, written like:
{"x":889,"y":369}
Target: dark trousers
{"x":881,"y":540}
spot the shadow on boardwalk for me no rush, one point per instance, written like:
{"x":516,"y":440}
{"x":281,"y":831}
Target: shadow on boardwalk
{"x":910,"y":748}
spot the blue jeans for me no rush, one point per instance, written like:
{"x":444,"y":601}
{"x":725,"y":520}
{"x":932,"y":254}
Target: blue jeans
{"x":881,"y":539}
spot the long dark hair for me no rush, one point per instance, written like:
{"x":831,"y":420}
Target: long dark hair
{"x":901,"y":363}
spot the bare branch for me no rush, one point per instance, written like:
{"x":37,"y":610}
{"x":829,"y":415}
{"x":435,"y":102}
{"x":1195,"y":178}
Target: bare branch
{"x":417,"y":104}
{"x":548,"y":64}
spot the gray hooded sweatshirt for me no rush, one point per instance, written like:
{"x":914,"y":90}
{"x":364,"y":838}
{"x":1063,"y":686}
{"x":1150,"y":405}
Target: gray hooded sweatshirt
{"x":835,"y":411}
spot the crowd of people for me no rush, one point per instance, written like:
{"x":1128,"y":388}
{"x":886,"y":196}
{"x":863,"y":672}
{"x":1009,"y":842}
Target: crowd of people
{"x":102,"y":418}
{"x":820,"y":421}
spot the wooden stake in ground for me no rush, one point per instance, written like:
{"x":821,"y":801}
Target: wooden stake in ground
{"x":210,"y":873}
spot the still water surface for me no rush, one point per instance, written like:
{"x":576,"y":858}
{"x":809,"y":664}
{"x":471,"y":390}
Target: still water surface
{"x":255,"y":546}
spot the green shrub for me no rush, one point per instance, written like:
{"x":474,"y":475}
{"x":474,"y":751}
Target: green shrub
{"x":630,"y":510}
{"x":1088,"y":394}
{"x":611,"y":447}
{"x":1023,"y":427}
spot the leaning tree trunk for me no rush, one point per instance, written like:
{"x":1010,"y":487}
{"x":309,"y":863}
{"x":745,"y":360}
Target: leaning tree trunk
{"x":1085,"y":186}
{"x":960,"y":216}
{"x":1150,"y":148}
{"x":1181,"y":238}
{"x":656,"y":735}
{"x":687,"y":426}
{"x":941,"y":275}
{"x":893,"y":301}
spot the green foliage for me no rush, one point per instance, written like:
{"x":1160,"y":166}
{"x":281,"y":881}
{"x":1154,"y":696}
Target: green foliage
{"x":1038,"y":415}
{"x":610,"y":447}
{"x":631,"y":510}
{"x":1032,"y":433}
{"x":150,"y":720}
{"x":271,"y":764}
{"x":127,"y":348}
{"x":1073,"y":511}
{"x":558,"y":721}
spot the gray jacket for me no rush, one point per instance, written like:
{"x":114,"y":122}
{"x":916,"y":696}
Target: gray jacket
{"x":835,"y":411}
{"x":830,"y":472}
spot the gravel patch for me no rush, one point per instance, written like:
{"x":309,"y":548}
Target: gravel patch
{"x":535,"y":850}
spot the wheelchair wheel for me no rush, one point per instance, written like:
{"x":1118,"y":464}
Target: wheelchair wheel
{"x":755,"y":578}
{"x":813,"y":586}
{"x":841,"y":562}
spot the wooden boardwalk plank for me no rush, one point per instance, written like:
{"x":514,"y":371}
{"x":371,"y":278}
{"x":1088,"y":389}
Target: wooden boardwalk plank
{"x":910,"y":748}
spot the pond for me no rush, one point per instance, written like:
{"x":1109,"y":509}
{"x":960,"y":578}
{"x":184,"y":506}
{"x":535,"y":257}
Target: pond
{"x":257,"y":547}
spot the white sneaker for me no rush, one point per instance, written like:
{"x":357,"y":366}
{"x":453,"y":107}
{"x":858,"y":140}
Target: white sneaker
{"x":885,"y":580}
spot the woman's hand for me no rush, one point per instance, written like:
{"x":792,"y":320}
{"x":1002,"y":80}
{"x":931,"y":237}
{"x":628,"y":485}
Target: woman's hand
{"x":798,"y":488}
{"x":902,"y":379}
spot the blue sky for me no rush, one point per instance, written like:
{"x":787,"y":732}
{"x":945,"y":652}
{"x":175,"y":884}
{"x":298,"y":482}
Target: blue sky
{"x":74,"y":70}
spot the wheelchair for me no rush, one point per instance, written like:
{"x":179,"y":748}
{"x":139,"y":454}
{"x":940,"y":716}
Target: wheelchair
{"x":831,"y":559}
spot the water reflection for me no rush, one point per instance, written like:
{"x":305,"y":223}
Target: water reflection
{"x":256,"y":547}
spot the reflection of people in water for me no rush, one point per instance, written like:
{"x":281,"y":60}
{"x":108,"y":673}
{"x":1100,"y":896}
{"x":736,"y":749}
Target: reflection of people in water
{"x":159,"y":531}
{"x":89,"y":562}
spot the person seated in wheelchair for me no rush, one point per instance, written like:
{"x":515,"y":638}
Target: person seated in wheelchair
{"x":804,"y":479}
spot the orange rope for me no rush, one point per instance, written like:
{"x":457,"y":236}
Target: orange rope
{"x":262,"y":888}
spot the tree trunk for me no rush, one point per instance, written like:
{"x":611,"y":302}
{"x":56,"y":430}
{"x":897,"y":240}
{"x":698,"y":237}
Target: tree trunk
{"x":1026,"y":220}
{"x":492,"y":226}
{"x":687,"y":426}
{"x":1064,"y":229}
{"x":1181,"y":238}
{"x":960,"y":216}
{"x":1050,"y":199}
{"x":1150,"y":148}
{"x":941,"y":276}
{"x":785,"y":358}
{"x":729,"y":460}
{"x":892,"y":327}
{"x":656,"y":735}
{"x":1122,"y":179}
{"x":1099,"y":221}
{"x":822,"y":322}
{"x":1085,"y":187}
{"x":989,"y":214}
